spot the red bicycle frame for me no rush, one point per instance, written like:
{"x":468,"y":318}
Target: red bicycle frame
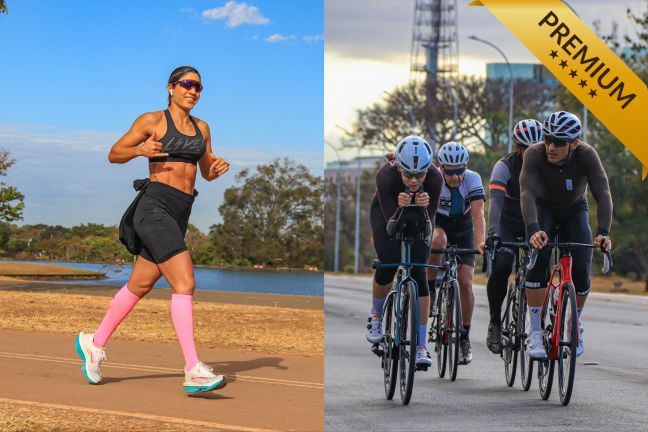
{"x":564,"y":272}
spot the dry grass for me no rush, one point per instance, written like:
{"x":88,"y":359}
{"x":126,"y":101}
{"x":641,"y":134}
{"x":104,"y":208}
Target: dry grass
{"x":19,"y":418}
{"x":11,"y":268}
{"x":272,"y":330}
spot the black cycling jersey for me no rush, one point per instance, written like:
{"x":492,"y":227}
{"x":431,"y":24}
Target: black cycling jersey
{"x":564,"y":186}
{"x":504,"y":201}
{"x":384,"y":206}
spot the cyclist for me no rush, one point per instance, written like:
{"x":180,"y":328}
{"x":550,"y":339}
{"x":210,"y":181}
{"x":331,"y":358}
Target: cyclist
{"x":411,"y":177}
{"x":461,"y":209}
{"x":553,"y":184}
{"x":505,"y":222}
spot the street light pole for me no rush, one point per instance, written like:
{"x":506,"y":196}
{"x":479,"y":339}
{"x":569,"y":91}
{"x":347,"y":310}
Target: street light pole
{"x":336,"y":260}
{"x":510,"y":141}
{"x":357,"y":221}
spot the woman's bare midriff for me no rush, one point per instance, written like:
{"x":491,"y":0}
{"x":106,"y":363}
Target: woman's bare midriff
{"x":179,"y":175}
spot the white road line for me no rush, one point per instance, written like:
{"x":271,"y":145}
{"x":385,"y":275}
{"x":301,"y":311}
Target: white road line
{"x":165,"y":419}
{"x":37,"y":357}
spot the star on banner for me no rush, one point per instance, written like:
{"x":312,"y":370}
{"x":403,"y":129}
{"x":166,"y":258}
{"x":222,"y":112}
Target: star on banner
{"x":592,"y":93}
{"x":553,"y":54}
{"x":563,"y":64}
{"x":583,"y":83}
{"x":573,"y":73}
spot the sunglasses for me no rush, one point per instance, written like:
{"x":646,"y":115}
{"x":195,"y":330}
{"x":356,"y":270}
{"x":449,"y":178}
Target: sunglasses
{"x":556,"y":142}
{"x":452,"y":172}
{"x":189,"y":84}
{"x":418,"y":176}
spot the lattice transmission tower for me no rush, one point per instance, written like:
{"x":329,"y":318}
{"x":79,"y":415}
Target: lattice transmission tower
{"x":434,"y":55}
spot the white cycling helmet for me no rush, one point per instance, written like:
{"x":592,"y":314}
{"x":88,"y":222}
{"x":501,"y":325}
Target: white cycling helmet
{"x":413,"y":154}
{"x":562,"y":125}
{"x":453,"y":153}
{"x":527,"y":132}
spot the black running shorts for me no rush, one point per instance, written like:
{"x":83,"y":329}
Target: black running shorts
{"x":161,"y":220}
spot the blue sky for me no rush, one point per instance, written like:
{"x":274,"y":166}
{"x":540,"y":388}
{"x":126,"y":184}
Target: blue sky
{"x":78,"y":73}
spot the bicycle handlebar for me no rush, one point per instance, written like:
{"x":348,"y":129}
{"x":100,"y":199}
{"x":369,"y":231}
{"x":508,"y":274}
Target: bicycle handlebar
{"x":608,"y":263}
{"x":455,"y":251}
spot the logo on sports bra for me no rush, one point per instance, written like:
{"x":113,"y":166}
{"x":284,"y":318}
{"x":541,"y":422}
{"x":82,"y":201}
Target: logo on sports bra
{"x":185,"y":145}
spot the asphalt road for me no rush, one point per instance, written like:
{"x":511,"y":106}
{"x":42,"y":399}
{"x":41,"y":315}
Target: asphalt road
{"x":610,"y":392}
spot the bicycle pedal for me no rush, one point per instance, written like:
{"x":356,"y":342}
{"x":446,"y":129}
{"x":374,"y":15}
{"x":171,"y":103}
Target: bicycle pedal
{"x":377,"y":350}
{"x":422,"y":368}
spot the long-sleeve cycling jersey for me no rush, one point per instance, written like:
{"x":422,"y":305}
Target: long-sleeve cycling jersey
{"x":565,"y":185}
{"x":389,"y":183}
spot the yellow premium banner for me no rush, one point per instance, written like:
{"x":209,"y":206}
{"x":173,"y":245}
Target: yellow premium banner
{"x":583,"y":63}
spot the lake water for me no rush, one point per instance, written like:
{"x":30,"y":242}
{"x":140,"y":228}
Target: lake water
{"x":258,"y":281}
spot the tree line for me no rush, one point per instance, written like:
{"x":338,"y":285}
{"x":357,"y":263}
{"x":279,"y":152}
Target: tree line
{"x":272,"y":219}
{"x":483,"y":128}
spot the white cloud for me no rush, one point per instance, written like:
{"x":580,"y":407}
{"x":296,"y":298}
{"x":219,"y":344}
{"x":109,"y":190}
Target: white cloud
{"x":313,"y":38}
{"x":278,"y":37}
{"x":236,"y":14}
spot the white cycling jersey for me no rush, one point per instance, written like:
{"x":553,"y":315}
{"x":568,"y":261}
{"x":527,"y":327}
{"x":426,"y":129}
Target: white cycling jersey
{"x":470,"y":188}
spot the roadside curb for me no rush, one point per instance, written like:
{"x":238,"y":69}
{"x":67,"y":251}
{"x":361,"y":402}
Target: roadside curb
{"x":365,"y":282}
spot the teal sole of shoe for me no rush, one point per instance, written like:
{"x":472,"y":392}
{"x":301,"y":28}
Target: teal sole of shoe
{"x":79,"y":351}
{"x":197,"y":389}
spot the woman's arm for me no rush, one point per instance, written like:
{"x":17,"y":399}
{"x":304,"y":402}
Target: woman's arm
{"x":211,"y":166}
{"x":128,"y":146}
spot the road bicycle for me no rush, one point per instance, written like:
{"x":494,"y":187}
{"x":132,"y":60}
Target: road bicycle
{"x":560,"y":321}
{"x":446,"y":326}
{"x":401,"y":308}
{"x":515,"y":318}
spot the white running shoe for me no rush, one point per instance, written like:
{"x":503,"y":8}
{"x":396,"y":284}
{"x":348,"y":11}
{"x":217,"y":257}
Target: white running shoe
{"x":91,"y":356}
{"x":535,"y":345}
{"x":423,"y":357}
{"x":201,"y":378}
{"x":374,"y":328}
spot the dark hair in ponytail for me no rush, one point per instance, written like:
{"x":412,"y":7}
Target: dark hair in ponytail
{"x":177,"y":74}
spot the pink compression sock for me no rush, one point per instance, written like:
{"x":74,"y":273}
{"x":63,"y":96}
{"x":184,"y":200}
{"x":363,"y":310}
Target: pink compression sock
{"x":120,"y":305}
{"x":181,"y":314}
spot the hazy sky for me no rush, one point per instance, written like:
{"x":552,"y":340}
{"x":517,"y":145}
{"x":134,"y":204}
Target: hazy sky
{"x":77,"y":73}
{"x":368,"y":44}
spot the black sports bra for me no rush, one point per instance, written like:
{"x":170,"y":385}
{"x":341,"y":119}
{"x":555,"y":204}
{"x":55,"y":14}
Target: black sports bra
{"x":180,"y":147}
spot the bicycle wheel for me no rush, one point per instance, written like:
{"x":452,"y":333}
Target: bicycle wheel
{"x":454,"y":328}
{"x":524,"y":329}
{"x":567,"y":344}
{"x":408,"y":342}
{"x":441,"y":334}
{"x":390,"y":351}
{"x":546,"y":367}
{"x":509,"y":335}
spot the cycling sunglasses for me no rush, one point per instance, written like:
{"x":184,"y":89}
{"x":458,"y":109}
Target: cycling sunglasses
{"x":557,"y":142}
{"x":189,"y":84}
{"x":452,"y":172}
{"x":409,"y":175}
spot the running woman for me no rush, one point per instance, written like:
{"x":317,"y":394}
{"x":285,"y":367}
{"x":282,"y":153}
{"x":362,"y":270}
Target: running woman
{"x":411,"y":177}
{"x":461,"y":211}
{"x":176,"y":144}
{"x":505,"y":222}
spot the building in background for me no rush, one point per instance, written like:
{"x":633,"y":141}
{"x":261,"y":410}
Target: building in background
{"x":521,"y":71}
{"x":350,"y":169}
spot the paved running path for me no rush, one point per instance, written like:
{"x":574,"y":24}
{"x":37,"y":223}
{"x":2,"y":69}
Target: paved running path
{"x":144,"y":379}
